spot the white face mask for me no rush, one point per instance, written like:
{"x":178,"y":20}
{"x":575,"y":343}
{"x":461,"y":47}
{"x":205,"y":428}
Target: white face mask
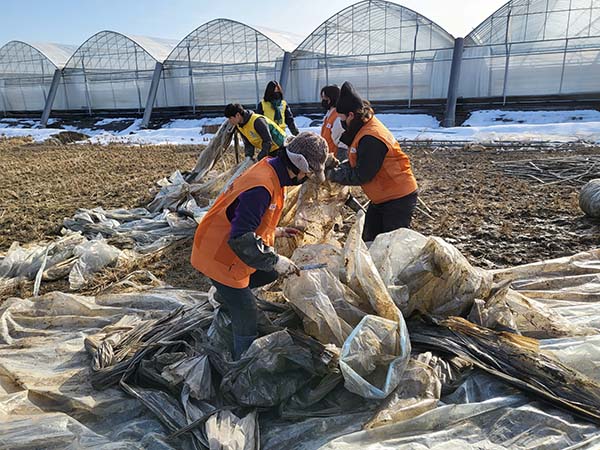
{"x":299,"y":161}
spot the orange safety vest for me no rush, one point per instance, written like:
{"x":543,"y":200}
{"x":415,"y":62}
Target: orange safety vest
{"x":211,"y":253}
{"x":326,"y":131}
{"x":395,"y":178}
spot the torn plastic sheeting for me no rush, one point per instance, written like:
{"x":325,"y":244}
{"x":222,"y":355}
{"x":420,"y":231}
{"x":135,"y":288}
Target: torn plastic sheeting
{"x":226,"y":431}
{"x":42,"y":357}
{"x":212,"y":152}
{"x":375,"y":356}
{"x":26,"y":261}
{"x":327,"y":307}
{"x":310,"y":433}
{"x":483,"y":413}
{"x":272,"y":370}
{"x":507,"y":309}
{"x":146,"y":233}
{"x":439,"y":278}
{"x":93,"y":256}
{"x":319,"y":209}
{"x":515,"y":359}
{"x":418,"y":391}
{"x":580,"y":264}
{"x":362,"y":276}
{"x":195,"y":373}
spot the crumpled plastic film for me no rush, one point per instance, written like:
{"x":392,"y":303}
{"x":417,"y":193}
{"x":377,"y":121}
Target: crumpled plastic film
{"x":439,"y":278}
{"x":317,"y":211}
{"x":226,"y":431}
{"x":375,"y":356}
{"x":25,"y":261}
{"x":195,"y":373}
{"x":362,"y":276}
{"x":329,"y":309}
{"x":273,"y":369}
{"x":510,"y":310}
{"x":93,"y":257}
{"x":418,"y":391}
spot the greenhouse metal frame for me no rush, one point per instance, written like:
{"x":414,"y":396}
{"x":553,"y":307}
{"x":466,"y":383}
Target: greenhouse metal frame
{"x":388,"y":51}
{"x":26,"y":74}
{"x":111,"y":71}
{"x":392,"y":54}
{"x":505,"y":55}
{"x":221,"y":61}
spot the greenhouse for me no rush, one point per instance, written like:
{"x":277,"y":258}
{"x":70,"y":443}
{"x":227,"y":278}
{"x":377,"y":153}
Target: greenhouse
{"x":26,"y":73}
{"x":111,"y":71}
{"x":392,"y":55}
{"x":222,"y":61}
{"x":505,"y":55}
{"x":387,"y":51}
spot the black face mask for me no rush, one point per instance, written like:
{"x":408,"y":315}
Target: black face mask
{"x":325,"y":104}
{"x":277,"y":96}
{"x":296,"y":181}
{"x":344,"y":124}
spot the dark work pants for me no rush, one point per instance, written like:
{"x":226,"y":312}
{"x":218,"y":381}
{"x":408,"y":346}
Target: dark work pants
{"x":389,"y":216}
{"x":241,"y":303}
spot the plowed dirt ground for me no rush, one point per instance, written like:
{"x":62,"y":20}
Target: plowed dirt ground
{"x":494,"y":219}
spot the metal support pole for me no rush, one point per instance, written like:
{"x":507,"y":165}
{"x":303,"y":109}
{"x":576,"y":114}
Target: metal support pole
{"x":158,"y":68}
{"x":506,"y":68}
{"x":2,"y":98}
{"x":51,"y":96}
{"x":457,"y":55}
{"x":285,"y":70}
{"x":191,"y":75}
{"x":256,"y":71}
{"x":87,"y":89}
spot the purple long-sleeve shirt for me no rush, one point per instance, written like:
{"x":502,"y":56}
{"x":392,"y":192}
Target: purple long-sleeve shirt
{"x":247,"y":211}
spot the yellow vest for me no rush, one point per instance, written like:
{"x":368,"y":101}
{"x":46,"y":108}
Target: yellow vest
{"x":277,"y":134}
{"x":269,"y":112}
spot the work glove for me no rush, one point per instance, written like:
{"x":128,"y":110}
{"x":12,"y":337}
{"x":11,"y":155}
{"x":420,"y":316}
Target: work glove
{"x":285,"y":267}
{"x":331,"y":162}
{"x":287,"y":232}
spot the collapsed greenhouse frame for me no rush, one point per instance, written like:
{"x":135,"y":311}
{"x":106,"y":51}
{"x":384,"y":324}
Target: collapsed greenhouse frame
{"x":396,"y":57}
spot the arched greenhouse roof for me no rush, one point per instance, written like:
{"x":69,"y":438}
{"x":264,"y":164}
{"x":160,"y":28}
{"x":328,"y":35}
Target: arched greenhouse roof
{"x":110,"y":50}
{"x":225,"y":41}
{"x":538,"y":20}
{"x":17,"y":57}
{"x":373,"y":27}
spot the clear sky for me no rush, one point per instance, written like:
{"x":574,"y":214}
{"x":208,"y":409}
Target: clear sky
{"x":73,"y":21}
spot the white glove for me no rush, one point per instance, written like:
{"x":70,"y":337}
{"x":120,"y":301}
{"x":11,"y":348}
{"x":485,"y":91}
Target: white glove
{"x":285,"y":266}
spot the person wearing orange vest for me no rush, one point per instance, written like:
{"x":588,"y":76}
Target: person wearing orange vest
{"x":233,"y":244}
{"x":276,"y":108}
{"x":332,"y":128}
{"x":377,"y":164}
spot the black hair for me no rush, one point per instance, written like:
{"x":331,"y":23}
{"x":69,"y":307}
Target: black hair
{"x":332,"y":92}
{"x":270,"y":90}
{"x":232,"y":109}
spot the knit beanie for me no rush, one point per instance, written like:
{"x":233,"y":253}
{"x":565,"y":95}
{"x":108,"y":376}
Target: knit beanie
{"x":308,"y":152}
{"x":349,"y":100}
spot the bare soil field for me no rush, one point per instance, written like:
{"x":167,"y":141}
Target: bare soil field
{"x":494,"y":219}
